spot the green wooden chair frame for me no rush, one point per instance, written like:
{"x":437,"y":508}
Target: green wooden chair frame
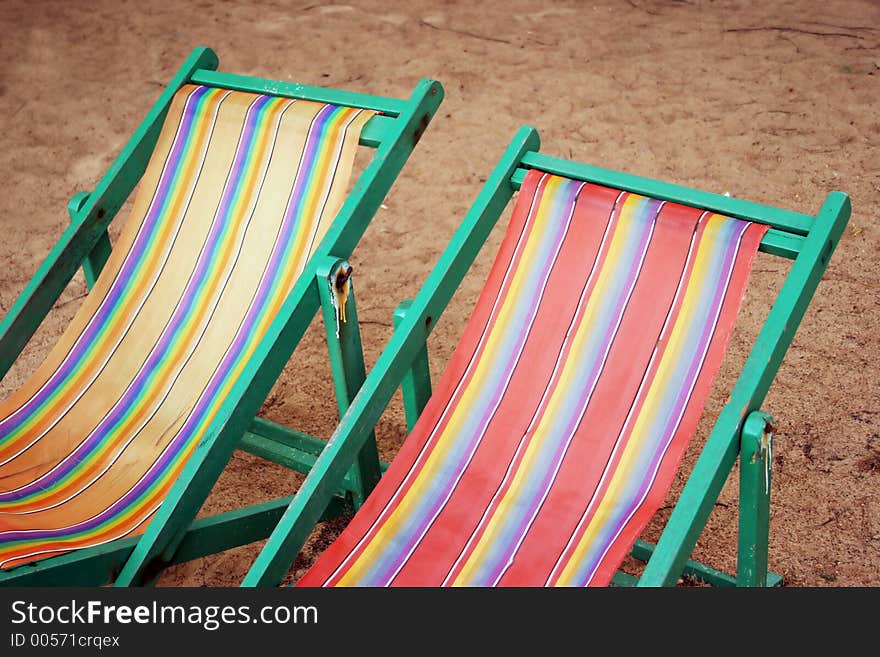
{"x":741,"y":428}
{"x":172,"y":536}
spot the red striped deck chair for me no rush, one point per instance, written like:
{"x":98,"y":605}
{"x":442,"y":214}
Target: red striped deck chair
{"x":556,"y":430}
{"x":242,"y":214}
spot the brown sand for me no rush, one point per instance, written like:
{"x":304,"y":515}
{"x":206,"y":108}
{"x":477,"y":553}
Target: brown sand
{"x":775,"y":102}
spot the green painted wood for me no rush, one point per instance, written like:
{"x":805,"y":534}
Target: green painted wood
{"x":376,"y":130}
{"x":416,"y":384}
{"x":347,"y":367}
{"x":99,"y":565}
{"x":774,"y":580}
{"x":288,"y":447}
{"x":756,"y":459}
{"x":779,"y":243}
{"x":716,"y":460}
{"x":786,"y":220}
{"x":390,"y":106}
{"x":241,"y":527}
{"x":287,"y":436}
{"x":277,"y":451}
{"x":95,"y":261}
{"x":775,"y":242}
{"x":289,"y":536}
{"x":624,"y":579}
{"x":643,"y":550}
{"x":165,"y":531}
{"x":89,"y":567}
{"x":81,"y":237}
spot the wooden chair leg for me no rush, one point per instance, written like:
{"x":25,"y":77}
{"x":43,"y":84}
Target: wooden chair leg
{"x":756,"y":460}
{"x":416,"y":385}
{"x":347,"y":364}
{"x":95,"y":261}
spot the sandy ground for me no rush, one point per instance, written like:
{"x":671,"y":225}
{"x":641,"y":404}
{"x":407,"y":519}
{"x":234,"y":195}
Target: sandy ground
{"x":775,"y":102}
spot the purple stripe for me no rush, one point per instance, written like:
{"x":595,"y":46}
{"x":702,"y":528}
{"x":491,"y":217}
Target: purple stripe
{"x":656,"y":450}
{"x":717,"y":300}
{"x":243,"y":335}
{"x":132,"y":261}
{"x":706,"y":334}
{"x":183,"y":312}
{"x":531,"y":308}
{"x":386,"y":566}
{"x":646,"y":214}
{"x":308,"y":161}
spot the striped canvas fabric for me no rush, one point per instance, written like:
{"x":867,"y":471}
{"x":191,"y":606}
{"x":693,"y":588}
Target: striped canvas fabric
{"x":237,"y":195}
{"x":554,"y":434}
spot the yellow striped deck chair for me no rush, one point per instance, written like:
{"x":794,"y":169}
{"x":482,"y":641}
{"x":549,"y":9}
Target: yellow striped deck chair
{"x":241,"y":215}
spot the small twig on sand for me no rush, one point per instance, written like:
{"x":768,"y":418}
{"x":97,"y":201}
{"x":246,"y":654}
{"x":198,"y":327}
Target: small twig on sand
{"x":61,"y":304}
{"x":776,"y":28}
{"x":830,"y":520}
{"x":463,"y":32}
{"x":644,"y":9}
{"x":796,"y":47}
{"x":854,"y":28}
{"x":20,"y":107}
